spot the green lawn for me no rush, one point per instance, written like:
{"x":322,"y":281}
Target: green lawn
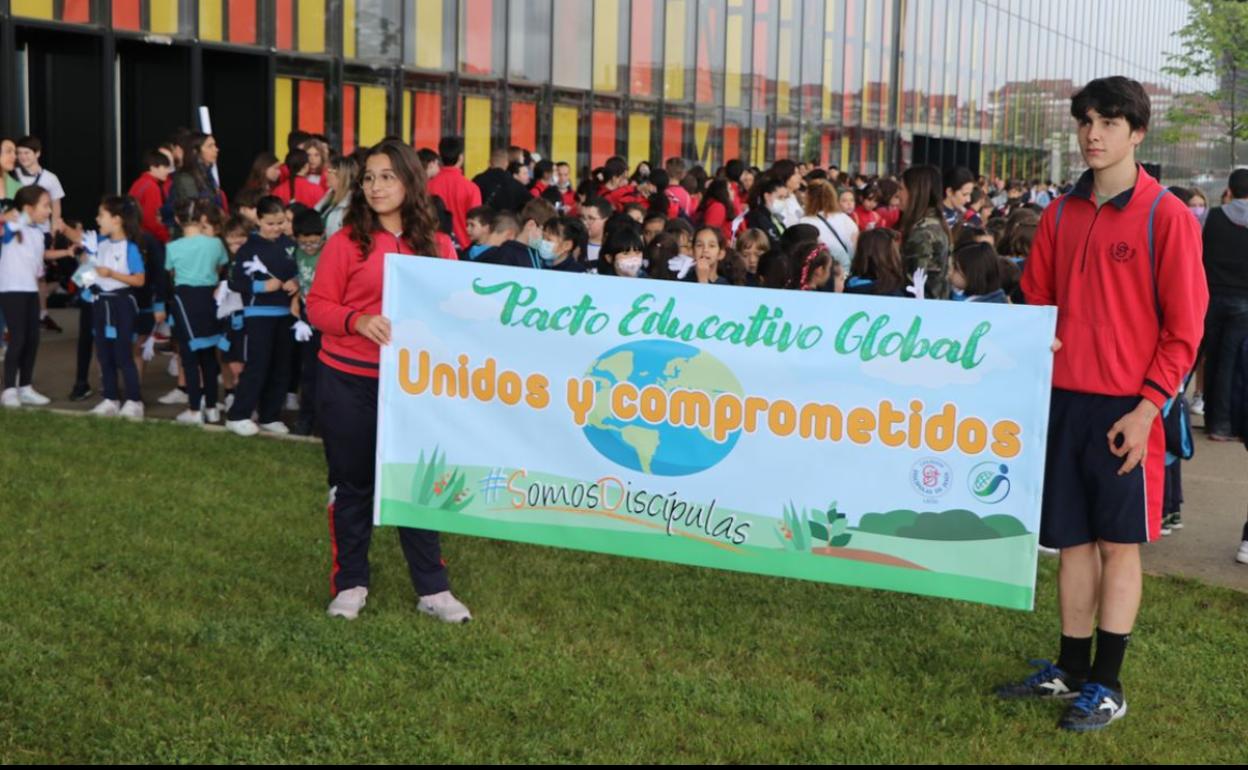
{"x":165,"y":598}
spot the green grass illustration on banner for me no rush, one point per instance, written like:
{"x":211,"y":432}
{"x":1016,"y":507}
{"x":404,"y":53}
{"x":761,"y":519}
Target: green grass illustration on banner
{"x":433,"y":486}
{"x":807,"y":530}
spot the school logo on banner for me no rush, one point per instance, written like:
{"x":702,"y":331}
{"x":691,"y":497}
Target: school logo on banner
{"x":990,"y":482}
{"x":931,"y":478}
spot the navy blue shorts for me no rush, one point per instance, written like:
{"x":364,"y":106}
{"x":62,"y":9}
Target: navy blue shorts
{"x":1085,"y":500}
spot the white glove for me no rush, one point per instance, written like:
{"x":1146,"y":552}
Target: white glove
{"x":228,"y":302}
{"x":920,"y":283}
{"x":254,"y":266}
{"x":303,"y":332}
{"x":149,"y":348}
{"x":85,"y":276}
{"x":91,"y":242}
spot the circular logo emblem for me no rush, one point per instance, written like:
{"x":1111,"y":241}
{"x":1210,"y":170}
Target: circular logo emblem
{"x":1121,"y":252}
{"x":931,"y":478}
{"x":989,"y":482}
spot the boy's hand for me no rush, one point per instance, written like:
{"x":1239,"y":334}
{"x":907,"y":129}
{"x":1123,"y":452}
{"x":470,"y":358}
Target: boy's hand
{"x":374,"y":327}
{"x":272,"y":284}
{"x":291,"y":287}
{"x":1134,"y":428}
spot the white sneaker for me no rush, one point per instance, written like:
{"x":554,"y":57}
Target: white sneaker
{"x":212,"y":415}
{"x":229,"y":401}
{"x":174,"y":397}
{"x":1197,"y":407}
{"x":1242,"y":556}
{"x":276,"y":428}
{"x":172,"y":369}
{"x":132,"y":410}
{"x":106,"y":408}
{"x":30,"y":396}
{"x":10,"y":399}
{"x":241,"y":427}
{"x":292,"y":402}
{"x":347,"y":604}
{"x":445,"y":607}
{"x":190,"y":418}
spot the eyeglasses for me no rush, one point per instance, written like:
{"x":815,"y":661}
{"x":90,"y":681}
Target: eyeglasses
{"x":384,"y":179}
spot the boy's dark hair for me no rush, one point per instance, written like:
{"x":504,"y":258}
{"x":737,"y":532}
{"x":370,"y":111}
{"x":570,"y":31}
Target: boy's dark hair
{"x":678,"y":227}
{"x":1238,"y":183}
{"x":31,"y":143}
{"x":296,"y":208}
{"x":308,"y":222}
{"x":602,"y":205}
{"x":956,"y":178}
{"x":234,"y":224}
{"x":615,"y":168}
{"x":427,"y":156}
{"x":538,"y":210}
{"x":981,"y":266}
{"x":505,"y":221}
{"x":483,"y":214}
{"x":270,"y":204}
{"x":295,"y":139}
{"x":514,"y":167}
{"x":247,"y":198}
{"x":154,"y":158}
{"x":450,"y":148}
{"x":570,"y":229}
{"x":1113,"y":97}
{"x":542,"y":168}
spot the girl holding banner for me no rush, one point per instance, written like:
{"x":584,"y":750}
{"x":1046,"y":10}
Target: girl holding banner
{"x":390,"y":212}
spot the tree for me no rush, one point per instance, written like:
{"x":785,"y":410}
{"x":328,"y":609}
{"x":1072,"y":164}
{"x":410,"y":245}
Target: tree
{"x":1214,"y":46}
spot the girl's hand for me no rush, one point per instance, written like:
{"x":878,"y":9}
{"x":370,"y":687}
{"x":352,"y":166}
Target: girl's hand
{"x":374,"y":327}
{"x":104,"y":272}
{"x":291,"y":287}
{"x":272,"y":284}
{"x":703,"y":266}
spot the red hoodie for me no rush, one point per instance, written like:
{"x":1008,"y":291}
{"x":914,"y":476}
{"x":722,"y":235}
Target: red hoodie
{"x":150,"y":194}
{"x":622,"y":196}
{"x":346,"y":287}
{"x":459,"y":195}
{"x":1130,"y":322}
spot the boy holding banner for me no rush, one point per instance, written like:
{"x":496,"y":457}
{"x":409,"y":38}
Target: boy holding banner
{"x":1120,"y":258}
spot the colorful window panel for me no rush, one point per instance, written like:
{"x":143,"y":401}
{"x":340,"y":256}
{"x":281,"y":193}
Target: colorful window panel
{"x":738,"y":54}
{"x":524,"y":125}
{"x":369,"y":29}
{"x":300,"y":25}
{"x":228,"y":21}
{"x":709,"y":72}
{"x":363,"y":115}
{"x":603,"y":133}
{"x":646,"y":49}
{"x":298,"y":103}
{"x":422,"y":118}
{"x":565,"y":137}
{"x":72,"y":11}
{"x":476,"y":121}
{"x":160,"y":17}
{"x":680,"y":24}
{"x":572,"y":62}
{"x":430,"y":35}
{"x":482,"y":37}
{"x":610,"y":44}
{"x":766,"y":25}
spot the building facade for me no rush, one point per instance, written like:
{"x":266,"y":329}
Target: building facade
{"x":869,"y":85}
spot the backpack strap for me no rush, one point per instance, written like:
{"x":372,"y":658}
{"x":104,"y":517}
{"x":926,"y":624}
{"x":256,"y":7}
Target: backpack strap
{"x":1152,"y":251}
{"x":1061,"y":206}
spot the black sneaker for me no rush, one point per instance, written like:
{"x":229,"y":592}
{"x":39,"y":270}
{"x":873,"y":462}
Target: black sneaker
{"x":1049,"y":682}
{"x":81,"y":392}
{"x":303,"y":428}
{"x":1176,"y":521}
{"x":50,"y":324}
{"x":1096,"y":706}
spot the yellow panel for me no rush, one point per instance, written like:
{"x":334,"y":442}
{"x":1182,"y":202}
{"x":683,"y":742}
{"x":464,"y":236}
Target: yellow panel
{"x":563,"y":138}
{"x":476,"y":135}
{"x":829,"y":51}
{"x":844,"y":164}
{"x":734,"y":66}
{"x":372,"y":116}
{"x":312,"y":26}
{"x":407,"y":116}
{"x":429,"y":34}
{"x":784,"y":78}
{"x":879,"y":157}
{"x":638,"y":139}
{"x":701,"y":137}
{"x":37,"y":9}
{"x":606,"y":45}
{"x":758,"y":149}
{"x":163,"y":17}
{"x":866,"y":69}
{"x":210,"y":20}
{"x":348,"y":28}
{"x":674,"y":51}
{"x":283,"y":110}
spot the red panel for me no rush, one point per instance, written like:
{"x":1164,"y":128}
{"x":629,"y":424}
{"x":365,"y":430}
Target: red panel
{"x":673,"y":138}
{"x":643,"y":48}
{"x":126,"y":14}
{"x":478,"y":43}
{"x":242,"y":21}
{"x":825,"y":149}
{"x":285,"y":24}
{"x":782,"y":143}
{"x":76,"y":11}
{"x":707,"y":31}
{"x":761,"y":49}
{"x":348,"y":118}
{"x":732,"y":142}
{"x":524,"y":125}
{"x":427,"y":122}
{"x":311,"y":106}
{"x":602,"y":145}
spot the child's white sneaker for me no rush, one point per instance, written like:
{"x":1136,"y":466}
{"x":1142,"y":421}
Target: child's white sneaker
{"x":30,"y":396}
{"x":445,"y":607}
{"x":132,"y":410}
{"x":276,"y":428}
{"x":189,"y":417}
{"x":212,"y":415}
{"x":106,"y":408}
{"x":347,"y":604}
{"x":174,"y":397}
{"x":10,"y":399}
{"x":241,"y":427}
{"x":292,"y":402}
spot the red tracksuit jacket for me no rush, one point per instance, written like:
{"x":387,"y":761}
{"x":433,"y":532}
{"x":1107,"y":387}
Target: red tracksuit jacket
{"x":150,"y":194}
{"x":346,"y":287}
{"x":1130,"y":323}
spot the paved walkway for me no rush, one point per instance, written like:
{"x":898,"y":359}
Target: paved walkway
{"x":1215,"y":482}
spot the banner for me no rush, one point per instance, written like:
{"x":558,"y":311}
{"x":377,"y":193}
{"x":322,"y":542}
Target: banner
{"x":866,"y":441}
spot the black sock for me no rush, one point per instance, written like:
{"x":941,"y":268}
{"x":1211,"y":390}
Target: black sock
{"x":1245,"y":531}
{"x":1076,"y":656}
{"x":182,"y":388}
{"x":1110,"y":650}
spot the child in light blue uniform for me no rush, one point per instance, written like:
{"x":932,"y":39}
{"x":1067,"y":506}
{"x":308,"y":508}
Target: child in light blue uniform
{"x":119,"y":266}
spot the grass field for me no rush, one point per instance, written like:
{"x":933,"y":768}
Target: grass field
{"x":164,"y":602}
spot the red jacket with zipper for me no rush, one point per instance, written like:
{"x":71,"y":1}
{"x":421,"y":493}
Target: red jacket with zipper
{"x":346,"y":287}
{"x":1130,"y":323}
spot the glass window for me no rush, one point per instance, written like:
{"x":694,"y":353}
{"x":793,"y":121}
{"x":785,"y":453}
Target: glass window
{"x":528,"y":41}
{"x":646,"y":50}
{"x":888,"y":101}
{"x":298,"y":103}
{"x":709,"y":86}
{"x":738,"y":56}
{"x":160,"y":17}
{"x":852,"y":100}
{"x":75,"y":11}
{"x":565,"y":137}
{"x":680,"y":24}
{"x":812,"y":31}
{"x":524,"y":124}
{"x":789,"y":48}
{"x":766,"y":27}
{"x":481,"y":36}
{"x":573,"y":34}
{"x":706,"y":139}
{"x":639,"y":134}
{"x":603,"y":136}
{"x":300,"y":26}
{"x":832,"y":69}
{"x":422,"y":117}
{"x":675,"y":129}
{"x":478,"y":123}
{"x":430,"y":35}
{"x":370,"y":30}
{"x":229,"y":21}
{"x":610,"y":44}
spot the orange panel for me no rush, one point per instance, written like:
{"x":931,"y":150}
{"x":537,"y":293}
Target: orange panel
{"x":524,"y":125}
{"x":602,"y":145}
{"x":732,"y":142}
{"x":349,"y":94}
{"x":673,"y":138}
{"x":427,"y":123}
{"x":126,"y":14}
{"x":311,"y":106}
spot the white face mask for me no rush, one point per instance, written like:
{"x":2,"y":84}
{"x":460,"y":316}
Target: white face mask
{"x":777,"y":206}
{"x":628,"y":267}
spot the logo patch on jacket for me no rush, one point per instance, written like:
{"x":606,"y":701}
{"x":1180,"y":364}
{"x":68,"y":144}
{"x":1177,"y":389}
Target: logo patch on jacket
{"x":1121,"y":252}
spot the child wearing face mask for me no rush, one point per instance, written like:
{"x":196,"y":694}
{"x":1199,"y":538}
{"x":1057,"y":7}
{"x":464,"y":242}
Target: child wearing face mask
{"x":682,"y":263}
{"x":567,"y":238}
{"x":621,"y":254}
